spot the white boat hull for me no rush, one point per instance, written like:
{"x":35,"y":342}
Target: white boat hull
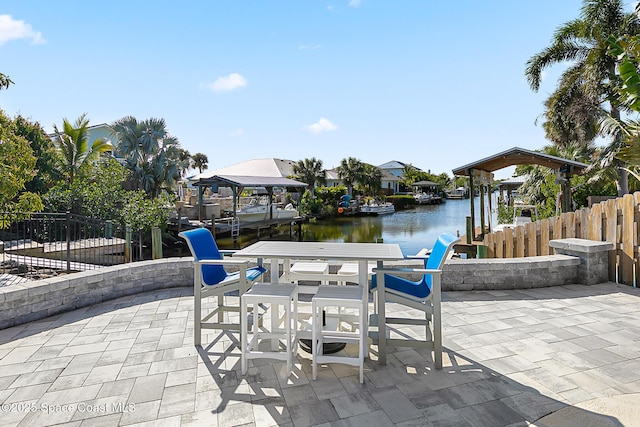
{"x":383,"y":209}
{"x":253,"y":214}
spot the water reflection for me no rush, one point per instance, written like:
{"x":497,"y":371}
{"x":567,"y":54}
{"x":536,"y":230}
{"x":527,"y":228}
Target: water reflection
{"x":412,"y":229}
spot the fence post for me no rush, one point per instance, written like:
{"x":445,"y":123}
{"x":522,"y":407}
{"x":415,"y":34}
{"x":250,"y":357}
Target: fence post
{"x":127,"y":245}
{"x":156,"y":243}
{"x":108,"y":230}
{"x":68,"y":221}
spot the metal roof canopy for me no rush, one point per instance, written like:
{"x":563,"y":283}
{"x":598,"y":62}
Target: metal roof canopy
{"x":519,"y":156}
{"x":250,"y":181}
{"x":514,"y":156}
{"x":242,"y":181}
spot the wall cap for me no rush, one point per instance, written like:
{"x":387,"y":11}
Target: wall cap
{"x":581,"y":245}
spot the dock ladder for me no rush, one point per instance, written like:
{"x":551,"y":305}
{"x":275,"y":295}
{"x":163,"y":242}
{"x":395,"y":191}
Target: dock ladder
{"x":235,"y":228}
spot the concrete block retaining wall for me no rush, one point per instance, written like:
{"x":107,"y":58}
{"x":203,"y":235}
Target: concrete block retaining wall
{"x":34,"y":300}
{"x":509,"y":273}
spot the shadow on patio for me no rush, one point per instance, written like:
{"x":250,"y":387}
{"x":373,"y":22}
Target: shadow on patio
{"x":511,"y":358}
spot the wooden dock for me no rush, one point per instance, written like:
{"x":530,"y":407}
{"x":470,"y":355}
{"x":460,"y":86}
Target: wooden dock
{"x":224,"y":227}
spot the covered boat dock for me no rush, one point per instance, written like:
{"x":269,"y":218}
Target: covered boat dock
{"x":480,"y":174}
{"x":238,"y":183}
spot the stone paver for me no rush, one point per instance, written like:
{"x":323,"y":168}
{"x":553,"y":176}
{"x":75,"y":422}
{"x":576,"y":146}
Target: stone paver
{"x":511,"y":358}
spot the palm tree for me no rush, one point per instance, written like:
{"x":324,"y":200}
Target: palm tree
{"x":350,"y":171}
{"x":184,"y":161}
{"x":5,"y":81}
{"x":371,"y":179}
{"x":199,"y":161}
{"x":583,"y":43}
{"x":74,"y":151}
{"x":150,"y":153}
{"x":572,"y":116}
{"x":310,"y":172}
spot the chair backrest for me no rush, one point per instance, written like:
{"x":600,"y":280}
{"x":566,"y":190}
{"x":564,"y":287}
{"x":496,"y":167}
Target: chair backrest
{"x":444,"y":243}
{"x":203,"y":247}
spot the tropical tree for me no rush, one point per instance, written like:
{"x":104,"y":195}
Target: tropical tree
{"x":199,"y":161}
{"x":43,"y":148}
{"x":350,"y":171}
{"x":591,"y":74}
{"x":73,"y":149}
{"x":540,"y":186}
{"x":17,"y":167}
{"x":311,"y":172}
{"x":150,"y":152}
{"x":5,"y":81}
{"x":572,"y":115}
{"x":103,"y":197}
{"x":370,"y":179}
{"x":409,"y":175}
{"x":184,"y":161}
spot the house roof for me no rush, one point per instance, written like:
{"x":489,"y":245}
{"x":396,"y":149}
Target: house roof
{"x":251,"y":181}
{"x":332,"y":174}
{"x":276,"y":168}
{"x":519,"y":156}
{"x":395,"y":164}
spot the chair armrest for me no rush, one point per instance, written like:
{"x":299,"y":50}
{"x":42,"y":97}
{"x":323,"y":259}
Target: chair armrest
{"x":400,"y":271}
{"x":227,"y":251}
{"x":423,"y":254}
{"x":235,"y":261}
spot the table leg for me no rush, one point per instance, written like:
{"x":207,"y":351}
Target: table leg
{"x":273,"y":266}
{"x":275,"y":314}
{"x":382,"y":321}
{"x":363,"y":280}
{"x":437,"y":322}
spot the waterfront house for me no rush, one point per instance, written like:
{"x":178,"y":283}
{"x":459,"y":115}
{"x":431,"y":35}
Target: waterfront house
{"x":389,"y":182}
{"x":396,"y":168}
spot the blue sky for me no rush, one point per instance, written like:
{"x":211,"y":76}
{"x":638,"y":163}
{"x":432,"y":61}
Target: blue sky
{"x":435,"y":84}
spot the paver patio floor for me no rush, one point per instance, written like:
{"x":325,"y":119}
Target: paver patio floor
{"x":511,"y":358}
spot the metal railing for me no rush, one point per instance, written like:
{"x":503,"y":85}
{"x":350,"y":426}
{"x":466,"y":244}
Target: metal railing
{"x":39,"y":245}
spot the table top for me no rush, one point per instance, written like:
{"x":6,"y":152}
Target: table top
{"x":322,"y":250}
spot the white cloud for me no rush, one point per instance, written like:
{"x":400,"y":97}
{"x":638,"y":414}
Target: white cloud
{"x":322,"y":125}
{"x":238,"y":132}
{"x":11,"y":29}
{"x":354,"y":3}
{"x":309,"y":47}
{"x":227,"y":83}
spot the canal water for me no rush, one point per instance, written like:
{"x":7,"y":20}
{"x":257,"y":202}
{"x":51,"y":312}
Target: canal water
{"x":413,"y":229}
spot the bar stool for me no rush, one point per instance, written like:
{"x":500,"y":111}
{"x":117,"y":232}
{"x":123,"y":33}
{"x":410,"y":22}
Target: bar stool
{"x":303,"y":270}
{"x":328,"y":327}
{"x":349,"y":270}
{"x":276,"y":294}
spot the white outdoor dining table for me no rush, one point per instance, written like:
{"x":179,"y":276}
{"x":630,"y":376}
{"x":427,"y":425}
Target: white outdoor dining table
{"x":360,"y":252}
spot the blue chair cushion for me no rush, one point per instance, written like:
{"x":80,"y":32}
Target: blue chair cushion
{"x":253,"y":274}
{"x":420,"y":289}
{"x":203,"y":247}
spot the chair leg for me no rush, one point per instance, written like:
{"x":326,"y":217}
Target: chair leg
{"x":314,"y":341}
{"x":243,"y":336}
{"x":197,"y":315}
{"x":363,"y":342}
{"x":220,"y":312}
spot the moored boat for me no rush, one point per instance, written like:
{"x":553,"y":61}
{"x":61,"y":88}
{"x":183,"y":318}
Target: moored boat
{"x":377,"y":208}
{"x":260,"y":212}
